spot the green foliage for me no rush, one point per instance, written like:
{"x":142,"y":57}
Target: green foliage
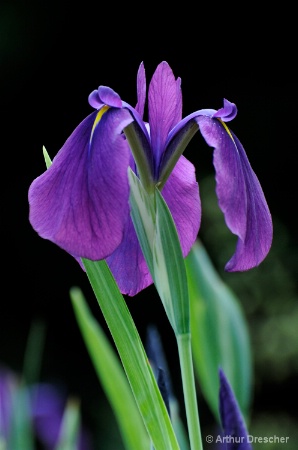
{"x":111,"y":375}
{"x":219,"y":332}
{"x":132,"y":355}
{"x":160,"y":244}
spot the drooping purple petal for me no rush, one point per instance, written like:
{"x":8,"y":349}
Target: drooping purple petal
{"x":240,"y":196}
{"x":81,"y":201}
{"x":181,"y":193}
{"x":164,"y":106}
{"x":127,"y":263}
{"x":233,"y":424}
{"x":141,"y":90}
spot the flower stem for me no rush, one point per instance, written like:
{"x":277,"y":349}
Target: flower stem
{"x":189,"y":390}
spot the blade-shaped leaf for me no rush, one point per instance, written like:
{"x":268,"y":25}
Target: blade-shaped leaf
{"x":143,"y":217}
{"x":132,"y":354}
{"x":160,"y":244}
{"x":70,"y":427}
{"x":111,"y":375}
{"x":21,"y":428}
{"x":47,"y":158}
{"x":169,"y":268}
{"x":219,"y":332}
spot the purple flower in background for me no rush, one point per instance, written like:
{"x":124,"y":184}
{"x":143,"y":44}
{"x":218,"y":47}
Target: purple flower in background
{"x":47,"y":410}
{"x":81,"y":202}
{"x":235,"y":436}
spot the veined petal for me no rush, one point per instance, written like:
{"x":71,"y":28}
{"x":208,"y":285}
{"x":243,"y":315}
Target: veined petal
{"x":231,"y":418}
{"x":164,"y":106}
{"x":141,"y":90}
{"x":240,"y":196}
{"x":181,"y":193}
{"x":81,"y":202}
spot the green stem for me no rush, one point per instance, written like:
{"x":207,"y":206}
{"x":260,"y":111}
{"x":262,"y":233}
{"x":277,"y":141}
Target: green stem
{"x":189,"y":390}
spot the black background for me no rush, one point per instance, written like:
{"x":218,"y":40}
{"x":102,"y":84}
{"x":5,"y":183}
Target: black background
{"x":52,"y":57}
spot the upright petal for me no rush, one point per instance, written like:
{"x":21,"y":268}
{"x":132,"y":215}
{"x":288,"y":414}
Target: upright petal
{"x":231,"y":418}
{"x":164,"y":106}
{"x":181,"y":193}
{"x":240,"y":196}
{"x":81,"y":202}
{"x":141,"y":90}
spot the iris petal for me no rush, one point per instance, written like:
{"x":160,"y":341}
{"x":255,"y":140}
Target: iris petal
{"x":231,"y":418}
{"x":228,"y":112}
{"x":109,"y":97}
{"x":81,"y":202}
{"x":240,"y":196}
{"x":94,"y":100}
{"x":141,"y":90}
{"x":164,"y":103}
{"x":181,"y":193}
{"x":104,"y":96}
{"x":128,"y":264}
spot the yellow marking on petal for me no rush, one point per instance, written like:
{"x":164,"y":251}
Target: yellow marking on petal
{"x":227,"y":130}
{"x":98,"y":117}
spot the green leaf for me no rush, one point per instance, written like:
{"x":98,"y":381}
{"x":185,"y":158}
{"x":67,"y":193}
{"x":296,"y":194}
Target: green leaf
{"x":47,"y":159}
{"x":161,"y":248}
{"x":70,"y":427}
{"x":219,"y":332}
{"x":21,"y":430}
{"x":111,"y":375}
{"x":169,"y":269}
{"x":34,"y":352}
{"x":143,"y":217}
{"x":132,"y":355}
{"x":178,"y":425}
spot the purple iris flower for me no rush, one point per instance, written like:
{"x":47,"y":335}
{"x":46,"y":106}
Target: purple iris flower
{"x":47,"y":410}
{"x":81,"y":202}
{"x":235,"y":436}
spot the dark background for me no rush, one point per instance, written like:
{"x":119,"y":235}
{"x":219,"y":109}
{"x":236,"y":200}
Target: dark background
{"x":52,"y":56}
